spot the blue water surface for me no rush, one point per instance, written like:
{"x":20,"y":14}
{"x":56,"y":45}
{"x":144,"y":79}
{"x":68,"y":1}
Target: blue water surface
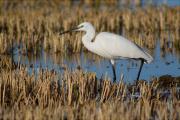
{"x":164,"y":63}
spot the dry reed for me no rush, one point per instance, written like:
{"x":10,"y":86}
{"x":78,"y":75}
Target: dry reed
{"x":37,"y":27}
{"x":79,"y":95}
{"x":34,"y":25}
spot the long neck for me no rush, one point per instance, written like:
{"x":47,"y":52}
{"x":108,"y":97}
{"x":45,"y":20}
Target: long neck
{"x":87,"y":39}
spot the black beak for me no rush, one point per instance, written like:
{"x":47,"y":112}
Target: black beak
{"x":72,"y":29}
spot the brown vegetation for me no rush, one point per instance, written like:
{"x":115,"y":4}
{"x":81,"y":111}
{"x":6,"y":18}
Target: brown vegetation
{"x":34,"y":25}
{"x":79,"y":95}
{"x":37,"y":27}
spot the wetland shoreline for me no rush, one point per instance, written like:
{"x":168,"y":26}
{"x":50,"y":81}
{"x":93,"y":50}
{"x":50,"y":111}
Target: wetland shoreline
{"x":32,"y":27}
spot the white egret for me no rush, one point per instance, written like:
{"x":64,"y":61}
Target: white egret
{"x":111,"y":46}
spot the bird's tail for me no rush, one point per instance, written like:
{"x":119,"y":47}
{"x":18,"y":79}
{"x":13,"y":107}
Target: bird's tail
{"x":149,"y":58}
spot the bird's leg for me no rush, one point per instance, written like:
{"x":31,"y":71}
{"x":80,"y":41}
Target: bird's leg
{"x":114,"y":73}
{"x":142,"y":62}
{"x":114,"y":70}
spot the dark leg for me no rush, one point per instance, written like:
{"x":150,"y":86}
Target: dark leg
{"x":142,"y":62}
{"x":114,"y":73}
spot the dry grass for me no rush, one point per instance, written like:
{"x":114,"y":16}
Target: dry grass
{"x":37,"y":27}
{"x":34,"y":25}
{"x":79,"y":95}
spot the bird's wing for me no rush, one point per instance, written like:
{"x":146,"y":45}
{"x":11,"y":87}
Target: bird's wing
{"x":119,"y":47}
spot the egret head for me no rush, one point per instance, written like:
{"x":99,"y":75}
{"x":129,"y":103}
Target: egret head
{"x":84,"y":26}
{"x":81,"y":27}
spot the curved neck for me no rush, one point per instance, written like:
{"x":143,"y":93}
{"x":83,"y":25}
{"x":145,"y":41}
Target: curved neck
{"x":88,"y":37}
{"x":90,"y":34}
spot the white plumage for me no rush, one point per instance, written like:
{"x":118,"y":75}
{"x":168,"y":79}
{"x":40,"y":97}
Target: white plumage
{"x":111,"y":46}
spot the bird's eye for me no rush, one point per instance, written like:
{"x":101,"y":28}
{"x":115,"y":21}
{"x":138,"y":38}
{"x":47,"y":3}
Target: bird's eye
{"x":80,"y":26}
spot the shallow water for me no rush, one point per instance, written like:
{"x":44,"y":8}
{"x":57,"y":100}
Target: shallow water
{"x":164,"y":63}
{"x":143,"y":3}
{"x":171,"y":3}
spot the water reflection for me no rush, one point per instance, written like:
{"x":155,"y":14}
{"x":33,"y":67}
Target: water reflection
{"x":166,"y":61}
